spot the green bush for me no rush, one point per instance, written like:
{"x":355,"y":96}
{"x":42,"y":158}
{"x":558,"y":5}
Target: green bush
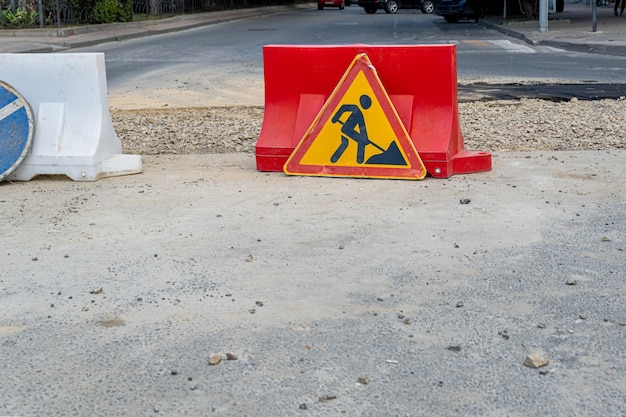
{"x":19,"y":18}
{"x":110,"y":11}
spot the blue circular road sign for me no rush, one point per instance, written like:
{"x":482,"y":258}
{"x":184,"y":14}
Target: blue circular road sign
{"x":16,"y":130}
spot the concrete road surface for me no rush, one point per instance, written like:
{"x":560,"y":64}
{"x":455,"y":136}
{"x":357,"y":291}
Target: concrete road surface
{"x":321,"y":296}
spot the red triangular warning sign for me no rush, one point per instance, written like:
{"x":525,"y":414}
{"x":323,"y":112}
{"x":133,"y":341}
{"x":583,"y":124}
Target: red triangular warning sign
{"x":358,"y":133}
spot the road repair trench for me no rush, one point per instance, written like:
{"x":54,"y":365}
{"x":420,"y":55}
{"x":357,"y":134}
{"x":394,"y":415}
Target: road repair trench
{"x":554,"y":92}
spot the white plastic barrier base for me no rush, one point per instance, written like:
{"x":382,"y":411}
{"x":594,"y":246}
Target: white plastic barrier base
{"x":74,"y":135}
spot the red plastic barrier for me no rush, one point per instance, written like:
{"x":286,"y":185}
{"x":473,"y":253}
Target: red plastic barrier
{"x":420,"y":80}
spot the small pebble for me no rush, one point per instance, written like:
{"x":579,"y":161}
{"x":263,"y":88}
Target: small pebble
{"x":571,"y":282}
{"x":364,"y":379}
{"x":460,"y":304}
{"x":464,"y":201}
{"x":215,"y":359}
{"x":327,"y":398}
{"x":536,"y":360}
{"x":302,"y":406}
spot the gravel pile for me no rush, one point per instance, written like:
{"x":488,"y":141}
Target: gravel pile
{"x":521,"y":125}
{"x":188,"y":131}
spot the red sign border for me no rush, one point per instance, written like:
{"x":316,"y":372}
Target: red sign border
{"x":360,"y":63}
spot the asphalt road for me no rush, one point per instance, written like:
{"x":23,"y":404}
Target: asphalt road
{"x":223,"y":64}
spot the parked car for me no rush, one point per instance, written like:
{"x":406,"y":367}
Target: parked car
{"x":453,"y":10}
{"x":331,"y":3}
{"x":392,"y":6}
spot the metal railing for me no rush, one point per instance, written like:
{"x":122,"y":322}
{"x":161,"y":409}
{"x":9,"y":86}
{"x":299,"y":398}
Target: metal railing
{"x":41,"y":13}
{"x":161,"y":7}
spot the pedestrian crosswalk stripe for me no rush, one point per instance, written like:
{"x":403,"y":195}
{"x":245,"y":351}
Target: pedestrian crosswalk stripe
{"x":509,"y":46}
{"x":492,"y":45}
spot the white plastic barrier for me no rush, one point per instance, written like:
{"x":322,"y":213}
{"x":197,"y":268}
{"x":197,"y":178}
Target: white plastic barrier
{"x":74,"y":134}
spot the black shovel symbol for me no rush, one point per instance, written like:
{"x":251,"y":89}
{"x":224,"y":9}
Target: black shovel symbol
{"x":354,"y":128}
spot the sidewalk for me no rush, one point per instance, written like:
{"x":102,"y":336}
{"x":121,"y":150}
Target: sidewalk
{"x":51,"y":40}
{"x":570,"y":30}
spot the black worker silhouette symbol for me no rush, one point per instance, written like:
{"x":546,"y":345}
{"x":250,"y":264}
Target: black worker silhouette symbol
{"x":354,"y":128}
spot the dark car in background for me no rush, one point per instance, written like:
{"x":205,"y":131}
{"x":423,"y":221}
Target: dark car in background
{"x":392,"y":6}
{"x":454,"y":10}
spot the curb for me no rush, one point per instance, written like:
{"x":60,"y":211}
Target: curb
{"x":202,"y":19}
{"x":594,"y":48}
{"x":54,"y":40}
{"x":508,"y":32}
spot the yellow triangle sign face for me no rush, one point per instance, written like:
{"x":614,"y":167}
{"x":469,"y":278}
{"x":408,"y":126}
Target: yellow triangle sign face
{"x":358,"y":133}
